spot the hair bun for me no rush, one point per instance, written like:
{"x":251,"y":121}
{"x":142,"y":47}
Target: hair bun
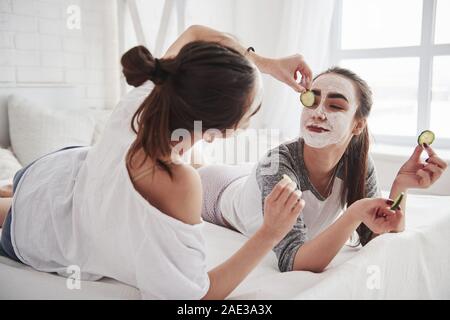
{"x":139,"y":66}
{"x":159,"y":75}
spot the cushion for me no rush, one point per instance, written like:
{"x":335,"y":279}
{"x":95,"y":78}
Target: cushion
{"x":101,"y":117}
{"x":8,"y":164}
{"x":4,"y":132}
{"x":37,"y":130}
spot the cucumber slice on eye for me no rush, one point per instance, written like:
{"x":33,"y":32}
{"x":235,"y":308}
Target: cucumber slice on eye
{"x":426,"y":137}
{"x":307,"y":98}
{"x":397,"y":201}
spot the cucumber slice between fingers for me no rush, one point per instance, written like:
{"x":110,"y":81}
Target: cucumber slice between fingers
{"x":397,"y":201}
{"x":426,"y":137}
{"x":307,"y":98}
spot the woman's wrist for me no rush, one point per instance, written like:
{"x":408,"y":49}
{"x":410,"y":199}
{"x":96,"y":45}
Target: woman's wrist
{"x":399,"y":186}
{"x":262,"y":63}
{"x":354,"y":216}
{"x":268,"y":236}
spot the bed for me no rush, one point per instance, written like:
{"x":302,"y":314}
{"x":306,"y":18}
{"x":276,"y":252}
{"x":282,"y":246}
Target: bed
{"x":409,"y":265}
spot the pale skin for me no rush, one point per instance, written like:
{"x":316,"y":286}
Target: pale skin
{"x":282,"y":206}
{"x":316,"y":254}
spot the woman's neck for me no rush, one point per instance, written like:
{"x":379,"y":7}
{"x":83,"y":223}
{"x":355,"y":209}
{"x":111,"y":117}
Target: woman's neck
{"x":321,"y":163}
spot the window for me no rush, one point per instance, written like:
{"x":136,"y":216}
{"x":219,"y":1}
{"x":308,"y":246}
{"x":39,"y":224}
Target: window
{"x":402,"y":49}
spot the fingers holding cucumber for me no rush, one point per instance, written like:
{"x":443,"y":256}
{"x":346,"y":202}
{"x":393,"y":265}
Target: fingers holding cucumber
{"x":425,"y":139}
{"x":282,"y":208}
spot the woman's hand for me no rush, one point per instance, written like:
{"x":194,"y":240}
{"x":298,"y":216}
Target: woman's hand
{"x":417,"y":174}
{"x":377,"y":215}
{"x":281,"y":209}
{"x":286,"y":70}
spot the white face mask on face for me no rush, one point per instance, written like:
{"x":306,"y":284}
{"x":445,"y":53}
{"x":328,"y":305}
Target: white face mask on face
{"x":322,"y":127}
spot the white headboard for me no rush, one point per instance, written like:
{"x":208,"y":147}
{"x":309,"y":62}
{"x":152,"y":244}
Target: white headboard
{"x":53,"y":96}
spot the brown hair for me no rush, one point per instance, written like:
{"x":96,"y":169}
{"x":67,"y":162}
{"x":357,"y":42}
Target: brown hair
{"x":356,"y":156}
{"x":206,"y":81}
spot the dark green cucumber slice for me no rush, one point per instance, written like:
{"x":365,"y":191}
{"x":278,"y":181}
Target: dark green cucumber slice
{"x":426,"y":137}
{"x":307,"y":98}
{"x":397,"y":201}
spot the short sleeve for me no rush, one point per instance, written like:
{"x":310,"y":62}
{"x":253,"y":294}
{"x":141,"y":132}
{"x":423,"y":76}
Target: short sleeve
{"x":372,"y":187}
{"x":269,"y":172}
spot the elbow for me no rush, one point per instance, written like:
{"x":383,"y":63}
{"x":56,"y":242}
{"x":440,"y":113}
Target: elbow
{"x":309,"y":268}
{"x":202,"y":33}
{"x":313,"y":269}
{"x":193,"y":32}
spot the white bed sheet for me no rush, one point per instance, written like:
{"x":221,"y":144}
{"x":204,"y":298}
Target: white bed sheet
{"x":414,"y":264}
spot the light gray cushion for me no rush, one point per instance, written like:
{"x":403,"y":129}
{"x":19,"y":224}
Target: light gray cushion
{"x":37,"y":130}
{"x":8,"y":164}
{"x":4,"y":126}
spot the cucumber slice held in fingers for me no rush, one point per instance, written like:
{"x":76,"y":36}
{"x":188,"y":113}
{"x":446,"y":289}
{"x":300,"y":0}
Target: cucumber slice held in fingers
{"x":397,"y":201}
{"x":426,"y":137}
{"x":308,"y":98}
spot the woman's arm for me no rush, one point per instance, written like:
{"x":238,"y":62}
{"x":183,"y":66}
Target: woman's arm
{"x":316,"y":254}
{"x":227,"y":276}
{"x":418,"y":175}
{"x":284,"y":69}
{"x":202,"y":33}
{"x":282,"y":208}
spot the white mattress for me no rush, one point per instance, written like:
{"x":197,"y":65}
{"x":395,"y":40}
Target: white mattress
{"x":409,"y":265}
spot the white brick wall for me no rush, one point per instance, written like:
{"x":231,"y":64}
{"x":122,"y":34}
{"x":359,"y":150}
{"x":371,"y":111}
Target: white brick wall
{"x":6,"y":40}
{"x":7,"y":74}
{"x":36,"y":47}
{"x":27,"y":41}
{"x":5,"y":6}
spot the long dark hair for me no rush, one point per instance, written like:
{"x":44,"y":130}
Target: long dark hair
{"x":356,"y":156}
{"x":205,"y":82}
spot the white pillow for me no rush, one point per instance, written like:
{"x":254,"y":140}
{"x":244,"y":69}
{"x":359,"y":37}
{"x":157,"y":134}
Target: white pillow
{"x":101,"y":117}
{"x":8,"y":164}
{"x":37,"y":130}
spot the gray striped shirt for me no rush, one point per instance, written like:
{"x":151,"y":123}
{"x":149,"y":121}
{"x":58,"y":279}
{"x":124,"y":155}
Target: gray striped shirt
{"x":289,"y":157}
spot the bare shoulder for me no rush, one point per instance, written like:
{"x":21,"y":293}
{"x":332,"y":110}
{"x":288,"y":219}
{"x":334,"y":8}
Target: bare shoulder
{"x":186,"y":194}
{"x":179,"y":196}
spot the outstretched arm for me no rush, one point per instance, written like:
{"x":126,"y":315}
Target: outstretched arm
{"x":282,"y":208}
{"x":284,"y":69}
{"x":316,"y":254}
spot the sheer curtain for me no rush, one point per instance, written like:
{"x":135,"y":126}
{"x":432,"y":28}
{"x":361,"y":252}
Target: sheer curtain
{"x":274,"y":28}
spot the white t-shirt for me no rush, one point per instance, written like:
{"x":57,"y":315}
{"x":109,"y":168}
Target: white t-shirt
{"x":241,"y":205}
{"x":242,"y":202}
{"x":79,"y":207}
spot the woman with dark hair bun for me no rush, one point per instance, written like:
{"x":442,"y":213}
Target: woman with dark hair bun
{"x":128,"y":208}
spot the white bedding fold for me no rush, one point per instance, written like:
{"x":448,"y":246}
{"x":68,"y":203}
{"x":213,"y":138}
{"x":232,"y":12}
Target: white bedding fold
{"x":411,"y":265}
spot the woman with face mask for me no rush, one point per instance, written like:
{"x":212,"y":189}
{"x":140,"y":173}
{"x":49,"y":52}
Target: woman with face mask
{"x":331,"y":166}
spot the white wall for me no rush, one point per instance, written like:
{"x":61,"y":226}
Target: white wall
{"x":389,"y":159}
{"x":37,"y":48}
